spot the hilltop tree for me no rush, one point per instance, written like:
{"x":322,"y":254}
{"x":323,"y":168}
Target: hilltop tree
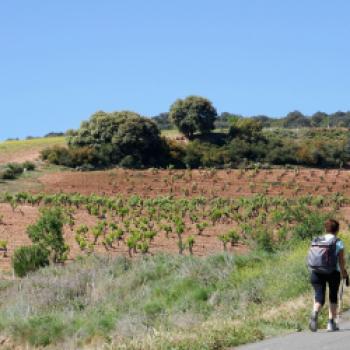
{"x":193,"y":114}
{"x":296,"y":119}
{"x":123,"y":138}
{"x":320,"y":119}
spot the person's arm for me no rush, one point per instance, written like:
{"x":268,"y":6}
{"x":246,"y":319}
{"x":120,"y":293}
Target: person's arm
{"x":342,"y":264}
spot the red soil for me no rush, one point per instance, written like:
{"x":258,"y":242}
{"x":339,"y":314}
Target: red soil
{"x":151,"y":183}
{"x":19,"y":156}
{"x":223,"y":183}
{"x":14,"y":226}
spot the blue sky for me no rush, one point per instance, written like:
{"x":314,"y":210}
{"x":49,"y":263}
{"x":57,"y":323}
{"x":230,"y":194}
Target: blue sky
{"x":60,"y":61}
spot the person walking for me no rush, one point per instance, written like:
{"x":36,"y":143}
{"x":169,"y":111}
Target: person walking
{"x":327,"y":265}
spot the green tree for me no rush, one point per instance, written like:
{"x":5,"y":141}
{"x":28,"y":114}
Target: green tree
{"x":320,"y":119}
{"x":47,"y":233}
{"x":123,"y":138}
{"x":193,"y":114}
{"x":296,"y":120}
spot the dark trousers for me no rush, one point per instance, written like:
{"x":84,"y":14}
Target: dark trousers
{"x":319,"y":282}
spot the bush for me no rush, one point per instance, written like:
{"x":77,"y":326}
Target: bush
{"x":30,"y":166}
{"x":130,"y":162}
{"x":28,"y":259}
{"x":16,"y":168}
{"x":39,"y":330}
{"x":311,"y":225}
{"x":56,"y":155}
{"x":70,"y":157}
{"x":8,"y":174}
{"x":13,"y":170}
{"x":47,"y":232}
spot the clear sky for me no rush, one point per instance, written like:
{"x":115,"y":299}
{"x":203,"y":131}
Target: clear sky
{"x":62,"y":60}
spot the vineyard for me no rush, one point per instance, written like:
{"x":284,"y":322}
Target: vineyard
{"x":136,"y":225}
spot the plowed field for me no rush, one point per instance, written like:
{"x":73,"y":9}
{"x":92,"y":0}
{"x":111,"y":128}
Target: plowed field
{"x":208,"y":183}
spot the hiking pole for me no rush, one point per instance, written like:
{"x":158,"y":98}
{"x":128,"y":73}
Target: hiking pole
{"x":341,"y":293}
{"x":340,"y":307}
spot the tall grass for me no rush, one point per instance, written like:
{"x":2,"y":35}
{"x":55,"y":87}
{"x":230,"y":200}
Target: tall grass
{"x":159,"y":302}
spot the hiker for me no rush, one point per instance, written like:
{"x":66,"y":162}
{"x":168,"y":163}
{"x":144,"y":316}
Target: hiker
{"x":327,"y":264}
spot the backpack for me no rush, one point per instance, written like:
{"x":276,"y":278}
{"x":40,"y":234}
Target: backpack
{"x":322,"y":257}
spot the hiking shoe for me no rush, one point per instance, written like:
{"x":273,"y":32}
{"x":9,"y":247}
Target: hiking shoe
{"x":332,"y":326}
{"x":313,"y":321}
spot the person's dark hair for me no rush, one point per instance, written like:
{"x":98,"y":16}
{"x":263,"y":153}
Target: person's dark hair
{"x":331,"y":226}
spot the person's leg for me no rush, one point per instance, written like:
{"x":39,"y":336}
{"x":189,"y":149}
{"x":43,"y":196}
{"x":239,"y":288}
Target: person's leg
{"x":333,"y":311}
{"x":333,"y":283}
{"x":319,"y":284}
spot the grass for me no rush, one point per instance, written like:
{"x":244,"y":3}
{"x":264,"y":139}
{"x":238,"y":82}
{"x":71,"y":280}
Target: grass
{"x":9,"y":150}
{"x":37,"y":144}
{"x":170,"y":133}
{"x":159,"y":302}
{"x":28,"y":181}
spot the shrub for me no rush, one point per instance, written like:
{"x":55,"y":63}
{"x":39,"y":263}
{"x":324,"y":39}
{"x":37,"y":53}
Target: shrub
{"x":47,"y":232}
{"x":130,"y":162}
{"x":8,"y":174}
{"x":15,"y":168}
{"x":56,"y":155}
{"x":39,"y":330}
{"x":11,"y":171}
{"x":71,"y":157}
{"x":311,"y":225}
{"x":246,"y":129}
{"x":264,"y":240}
{"x":30,"y":166}
{"x":28,"y":259}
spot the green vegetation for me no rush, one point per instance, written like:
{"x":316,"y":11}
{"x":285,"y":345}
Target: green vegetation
{"x":47,"y":233}
{"x":193,"y":114}
{"x":127,"y":140}
{"x":261,"y":222}
{"x":120,"y":138}
{"x":29,"y":259}
{"x":48,"y":242}
{"x":163,"y":301}
{"x":9,"y":148}
{"x":292,"y":120}
{"x":160,"y":302}
{"x":12,"y":171}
